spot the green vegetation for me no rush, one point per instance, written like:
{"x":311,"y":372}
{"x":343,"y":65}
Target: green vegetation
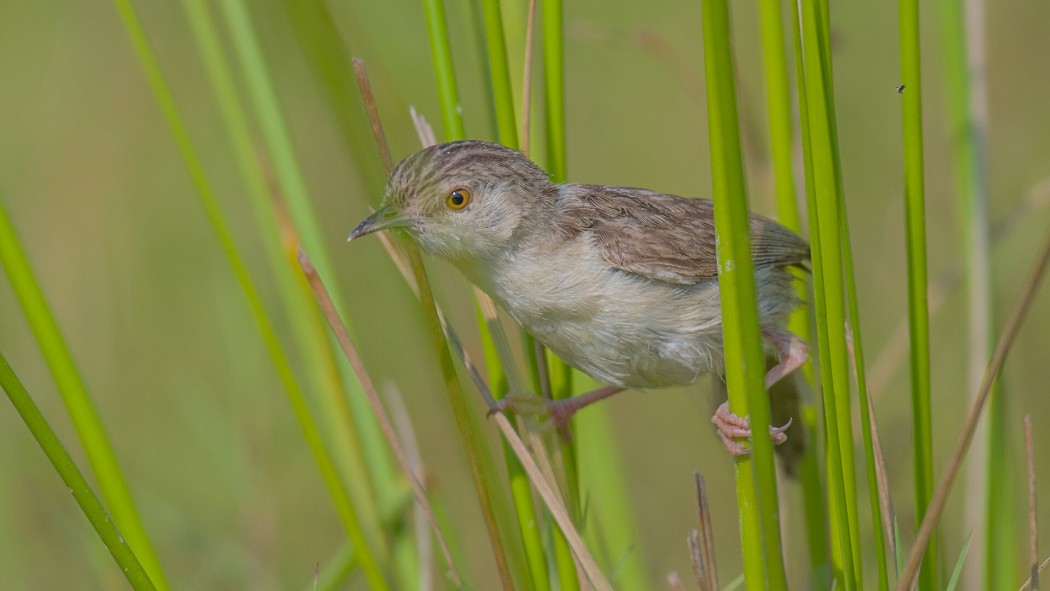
{"x":161,"y":163}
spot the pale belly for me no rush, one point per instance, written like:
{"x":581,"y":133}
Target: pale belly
{"x":616,"y":349}
{"x":619,"y":328}
{"x":623,"y":329}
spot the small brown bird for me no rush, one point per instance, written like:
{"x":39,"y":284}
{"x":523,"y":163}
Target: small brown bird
{"x":620,"y":283}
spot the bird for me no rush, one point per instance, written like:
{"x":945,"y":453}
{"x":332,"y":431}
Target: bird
{"x":620,"y":283}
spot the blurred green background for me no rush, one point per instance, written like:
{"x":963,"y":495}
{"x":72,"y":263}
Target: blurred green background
{"x":100,"y":197}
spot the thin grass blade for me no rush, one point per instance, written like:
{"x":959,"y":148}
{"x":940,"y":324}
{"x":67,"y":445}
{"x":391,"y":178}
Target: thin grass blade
{"x":75,"y":481}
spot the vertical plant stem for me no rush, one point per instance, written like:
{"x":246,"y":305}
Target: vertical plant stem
{"x":843,"y":402}
{"x":561,"y":375}
{"x":526,"y":84}
{"x":444,"y":71}
{"x":837,"y":329}
{"x":448,"y":95}
{"x":815,"y":504}
{"x":855,"y":346}
{"x":77,"y":400}
{"x":820,"y":144}
{"x":75,"y":481}
{"x":780,"y":139}
{"x":499,"y":72}
{"x":554,"y":88}
{"x":745,"y":361}
{"x":918,"y":312}
{"x":779,"y":102}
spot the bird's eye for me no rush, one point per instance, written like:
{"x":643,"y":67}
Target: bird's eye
{"x":458,"y":199}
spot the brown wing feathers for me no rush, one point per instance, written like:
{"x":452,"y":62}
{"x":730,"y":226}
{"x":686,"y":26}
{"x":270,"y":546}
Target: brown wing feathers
{"x":661,"y":236}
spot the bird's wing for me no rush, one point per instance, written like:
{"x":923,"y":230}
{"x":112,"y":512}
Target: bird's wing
{"x":664,"y":237}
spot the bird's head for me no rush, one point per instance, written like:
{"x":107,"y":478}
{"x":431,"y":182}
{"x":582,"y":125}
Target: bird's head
{"x":462,"y":201}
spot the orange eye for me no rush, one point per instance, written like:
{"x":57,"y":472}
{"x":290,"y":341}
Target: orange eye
{"x":458,"y":199}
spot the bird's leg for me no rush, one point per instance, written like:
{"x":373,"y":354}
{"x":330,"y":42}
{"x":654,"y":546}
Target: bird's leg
{"x":559,"y":412}
{"x":792,"y":352}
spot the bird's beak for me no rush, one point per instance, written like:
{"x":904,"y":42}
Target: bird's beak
{"x":386,"y":217}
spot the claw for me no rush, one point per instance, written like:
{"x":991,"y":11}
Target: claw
{"x":779,"y":434}
{"x":731,"y":427}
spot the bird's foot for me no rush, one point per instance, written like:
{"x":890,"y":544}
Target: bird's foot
{"x":731,"y":427}
{"x":523,"y":404}
{"x":554,"y":414}
{"x":558,"y":413}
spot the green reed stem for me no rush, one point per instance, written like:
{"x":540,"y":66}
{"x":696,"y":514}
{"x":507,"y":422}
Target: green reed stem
{"x":837,"y":330}
{"x":499,"y":74}
{"x":745,"y":360}
{"x":554,"y":90}
{"x":815,"y":507}
{"x":74,"y":479}
{"x":918,"y":312}
{"x":781,"y":141}
{"x":444,"y":71}
{"x":343,"y":503}
{"x":819,"y":153}
{"x":780,"y":126}
{"x":77,"y":400}
{"x":875,"y":505}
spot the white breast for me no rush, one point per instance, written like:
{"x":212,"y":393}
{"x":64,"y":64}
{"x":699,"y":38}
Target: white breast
{"x":619,"y":328}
